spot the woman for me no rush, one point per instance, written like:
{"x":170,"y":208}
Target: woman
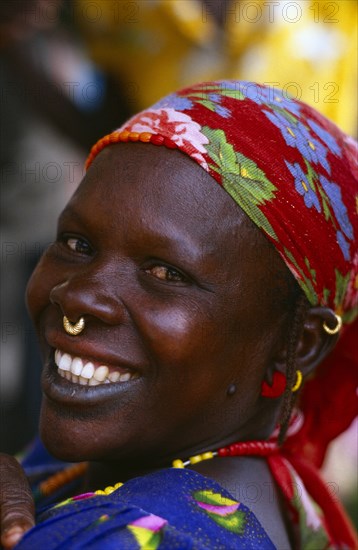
{"x":173,"y":331}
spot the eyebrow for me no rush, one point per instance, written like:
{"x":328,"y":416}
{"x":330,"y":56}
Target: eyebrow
{"x":69,"y":211}
{"x":181,"y":243}
{"x":175,"y":242}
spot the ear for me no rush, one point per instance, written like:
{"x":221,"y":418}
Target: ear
{"x":314,"y":343}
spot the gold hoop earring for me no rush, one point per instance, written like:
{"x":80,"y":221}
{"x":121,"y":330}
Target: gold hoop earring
{"x":298,"y":383}
{"x":337,"y":328}
{"x":75,"y":328}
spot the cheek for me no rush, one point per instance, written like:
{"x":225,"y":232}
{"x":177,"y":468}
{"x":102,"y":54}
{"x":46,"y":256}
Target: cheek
{"x":178,"y":332}
{"x":207,"y":346}
{"x":196,"y":350}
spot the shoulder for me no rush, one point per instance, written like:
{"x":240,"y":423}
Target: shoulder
{"x":167,"y":509}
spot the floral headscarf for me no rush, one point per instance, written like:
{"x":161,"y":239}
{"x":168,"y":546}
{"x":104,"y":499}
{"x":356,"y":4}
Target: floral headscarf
{"x":294,"y":173}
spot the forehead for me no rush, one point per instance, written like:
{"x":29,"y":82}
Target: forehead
{"x":164,"y":184}
{"x":146,"y":171}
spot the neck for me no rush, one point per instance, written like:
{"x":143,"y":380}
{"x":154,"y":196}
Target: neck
{"x":103,"y":474}
{"x":109,"y":473}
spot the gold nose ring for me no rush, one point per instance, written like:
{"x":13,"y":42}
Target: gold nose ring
{"x":75,"y":328}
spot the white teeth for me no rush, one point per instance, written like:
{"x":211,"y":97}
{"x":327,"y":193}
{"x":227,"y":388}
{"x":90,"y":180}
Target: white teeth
{"x":65,"y":362}
{"x":76,"y":366}
{"x":77,"y":371}
{"x":113,"y":376}
{"x":101,"y":373}
{"x":87,"y":371}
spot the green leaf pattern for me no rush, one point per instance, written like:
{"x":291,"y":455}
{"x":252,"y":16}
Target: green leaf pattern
{"x":241,"y":178}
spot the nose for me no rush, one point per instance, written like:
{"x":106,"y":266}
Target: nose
{"x":80,"y":296}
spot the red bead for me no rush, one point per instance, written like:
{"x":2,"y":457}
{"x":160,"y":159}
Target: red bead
{"x":223,"y":452}
{"x":254,"y":448}
{"x":157,"y":140}
{"x":169,"y":143}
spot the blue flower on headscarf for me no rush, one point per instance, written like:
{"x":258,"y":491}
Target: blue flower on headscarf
{"x":174,"y":101}
{"x":216,"y":98}
{"x":286,"y":128}
{"x":325,"y":136}
{"x":269,"y":96}
{"x":343,"y":245}
{"x":312,"y":149}
{"x":297,"y":135}
{"x":223,"y":111}
{"x":303,"y":186}
{"x":219,"y":109}
{"x":340,"y":211}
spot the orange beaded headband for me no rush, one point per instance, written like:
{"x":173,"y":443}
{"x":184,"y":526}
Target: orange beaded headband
{"x":125,"y":136}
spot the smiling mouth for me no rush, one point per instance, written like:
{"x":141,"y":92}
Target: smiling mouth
{"x":89,"y":373}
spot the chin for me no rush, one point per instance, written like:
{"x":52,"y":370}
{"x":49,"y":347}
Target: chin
{"x":66,"y":437}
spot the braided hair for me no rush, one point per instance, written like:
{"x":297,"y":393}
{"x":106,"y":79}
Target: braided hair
{"x":294,"y":335}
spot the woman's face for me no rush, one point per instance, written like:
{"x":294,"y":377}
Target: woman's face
{"x":171,"y":279}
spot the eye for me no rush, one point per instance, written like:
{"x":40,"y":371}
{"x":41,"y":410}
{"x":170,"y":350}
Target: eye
{"x":78,"y":245}
{"x":165,"y":273}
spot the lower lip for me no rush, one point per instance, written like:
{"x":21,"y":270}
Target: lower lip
{"x":65,"y":392}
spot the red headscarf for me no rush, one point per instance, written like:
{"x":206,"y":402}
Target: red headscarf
{"x":295,"y":175}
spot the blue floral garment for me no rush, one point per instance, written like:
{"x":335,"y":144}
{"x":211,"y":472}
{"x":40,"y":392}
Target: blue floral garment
{"x":166,"y":510}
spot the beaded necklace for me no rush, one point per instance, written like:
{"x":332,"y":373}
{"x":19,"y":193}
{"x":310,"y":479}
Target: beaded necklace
{"x":66,"y":476}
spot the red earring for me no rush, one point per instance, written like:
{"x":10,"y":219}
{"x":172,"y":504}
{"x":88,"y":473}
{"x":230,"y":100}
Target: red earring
{"x":277,"y":387}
